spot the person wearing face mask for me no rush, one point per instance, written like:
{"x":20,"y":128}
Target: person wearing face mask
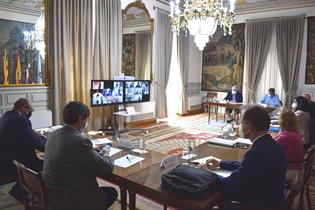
{"x":271,"y":99}
{"x":18,"y":141}
{"x":300,"y":107}
{"x":71,"y":164}
{"x":258,"y":180}
{"x":233,"y":96}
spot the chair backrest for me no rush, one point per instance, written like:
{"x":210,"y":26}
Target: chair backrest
{"x":32,"y":182}
{"x":212,"y":95}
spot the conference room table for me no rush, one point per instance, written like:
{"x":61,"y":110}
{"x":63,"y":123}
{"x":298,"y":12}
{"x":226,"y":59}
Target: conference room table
{"x":147,"y":182}
{"x":230,"y":105}
{"x":119,"y":175}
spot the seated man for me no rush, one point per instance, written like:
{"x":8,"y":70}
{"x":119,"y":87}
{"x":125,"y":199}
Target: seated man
{"x":71,"y":164}
{"x":18,"y":141}
{"x":258,"y":180}
{"x":271,"y":99}
{"x":234,"y":96}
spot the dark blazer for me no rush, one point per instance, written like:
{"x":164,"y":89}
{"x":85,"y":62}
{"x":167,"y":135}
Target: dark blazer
{"x":239,"y":96}
{"x":18,"y":141}
{"x":259,"y":178}
{"x":72,"y":164}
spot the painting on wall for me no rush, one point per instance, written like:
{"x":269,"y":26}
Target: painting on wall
{"x":129,"y":54}
{"x":310,"y":63}
{"x":21,"y":63}
{"x":223,"y":60}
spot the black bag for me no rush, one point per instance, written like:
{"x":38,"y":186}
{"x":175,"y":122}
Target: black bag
{"x":189,"y":181}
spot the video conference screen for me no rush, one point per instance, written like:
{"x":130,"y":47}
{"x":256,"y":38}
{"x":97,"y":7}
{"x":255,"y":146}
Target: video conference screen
{"x":106,"y":92}
{"x":137,"y":91}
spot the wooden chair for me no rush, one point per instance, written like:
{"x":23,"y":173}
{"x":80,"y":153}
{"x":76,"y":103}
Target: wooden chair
{"x":309,"y":175}
{"x":209,"y":98}
{"x":34,"y":187}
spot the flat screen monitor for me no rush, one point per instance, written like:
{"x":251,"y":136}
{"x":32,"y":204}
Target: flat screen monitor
{"x":137,"y":91}
{"x":107,"y":92}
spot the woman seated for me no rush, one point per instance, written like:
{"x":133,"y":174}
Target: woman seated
{"x":290,"y":140}
{"x":300,"y":107}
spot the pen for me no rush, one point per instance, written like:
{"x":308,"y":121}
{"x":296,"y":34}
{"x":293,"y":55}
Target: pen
{"x":128,"y":159}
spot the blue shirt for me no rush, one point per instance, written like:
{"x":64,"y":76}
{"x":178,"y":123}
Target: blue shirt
{"x":272,"y":101}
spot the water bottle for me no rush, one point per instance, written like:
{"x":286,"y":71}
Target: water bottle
{"x":142,"y":142}
{"x":116,"y":137}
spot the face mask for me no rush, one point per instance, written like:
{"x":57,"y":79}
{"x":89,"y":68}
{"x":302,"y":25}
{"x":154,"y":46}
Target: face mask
{"x":84,"y":127}
{"x":234,"y":91}
{"x":294,"y":105}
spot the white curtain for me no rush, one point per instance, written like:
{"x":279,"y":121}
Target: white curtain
{"x":271,"y":77}
{"x":78,"y":57}
{"x":143,"y":54}
{"x":163,"y":39}
{"x":107,"y":51}
{"x":72,"y":60}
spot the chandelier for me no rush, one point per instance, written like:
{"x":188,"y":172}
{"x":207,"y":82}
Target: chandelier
{"x":35,"y":39}
{"x":202,"y":17}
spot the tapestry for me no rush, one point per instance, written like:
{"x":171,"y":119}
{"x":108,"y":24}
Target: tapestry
{"x":21,"y":62}
{"x":310,"y":63}
{"x":129,"y":54}
{"x":223,"y":60}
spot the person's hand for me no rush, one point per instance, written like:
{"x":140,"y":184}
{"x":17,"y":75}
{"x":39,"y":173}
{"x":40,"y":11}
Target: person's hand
{"x":37,"y":133}
{"x":213,"y":162}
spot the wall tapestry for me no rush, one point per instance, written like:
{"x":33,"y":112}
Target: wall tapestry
{"x":223,"y":60}
{"x":310,"y":63}
{"x":129,"y":54}
{"x":21,"y":62}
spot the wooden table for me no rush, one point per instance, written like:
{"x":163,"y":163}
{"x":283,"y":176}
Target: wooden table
{"x":148,"y":181}
{"x":231,"y":105}
{"x":118,"y":177}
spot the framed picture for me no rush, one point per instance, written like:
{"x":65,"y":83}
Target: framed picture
{"x":310,"y":63}
{"x":223,"y":60}
{"x":22,"y":44}
{"x":129,"y":54}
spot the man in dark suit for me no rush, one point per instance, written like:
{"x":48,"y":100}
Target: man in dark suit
{"x":18,"y":141}
{"x":71,"y":164}
{"x":233,"y":96}
{"x":258,"y":180}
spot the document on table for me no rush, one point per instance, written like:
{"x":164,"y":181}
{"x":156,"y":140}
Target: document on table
{"x":139,"y":151}
{"x":100,"y":141}
{"x":113,"y":151}
{"x":188,"y":156}
{"x":201,"y":161}
{"x":221,"y":172}
{"x":127,"y":160}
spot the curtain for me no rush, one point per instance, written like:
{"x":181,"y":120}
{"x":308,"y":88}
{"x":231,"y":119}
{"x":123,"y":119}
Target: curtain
{"x":183,"y":61}
{"x":257,"y":41}
{"x":163,"y":59}
{"x":289,"y":33}
{"x":271,"y":77}
{"x":107,"y":51}
{"x":143,"y":54}
{"x":72,"y":52}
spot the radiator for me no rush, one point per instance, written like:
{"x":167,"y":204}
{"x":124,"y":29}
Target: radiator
{"x":194,"y":102}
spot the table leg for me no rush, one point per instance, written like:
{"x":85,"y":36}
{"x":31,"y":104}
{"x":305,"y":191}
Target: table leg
{"x":123,"y":197}
{"x":132,"y":200}
{"x":209,"y":109}
{"x":216,"y":114}
{"x":165,"y":207}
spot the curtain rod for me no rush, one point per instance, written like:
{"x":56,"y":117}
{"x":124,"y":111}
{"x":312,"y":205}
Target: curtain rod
{"x":275,"y":18}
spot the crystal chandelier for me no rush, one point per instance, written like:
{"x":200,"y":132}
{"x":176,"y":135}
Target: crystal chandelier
{"x":35,"y":39}
{"x":201,"y":17}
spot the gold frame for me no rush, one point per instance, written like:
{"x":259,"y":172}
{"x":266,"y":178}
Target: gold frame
{"x":47,"y":74}
{"x":140,"y":5}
